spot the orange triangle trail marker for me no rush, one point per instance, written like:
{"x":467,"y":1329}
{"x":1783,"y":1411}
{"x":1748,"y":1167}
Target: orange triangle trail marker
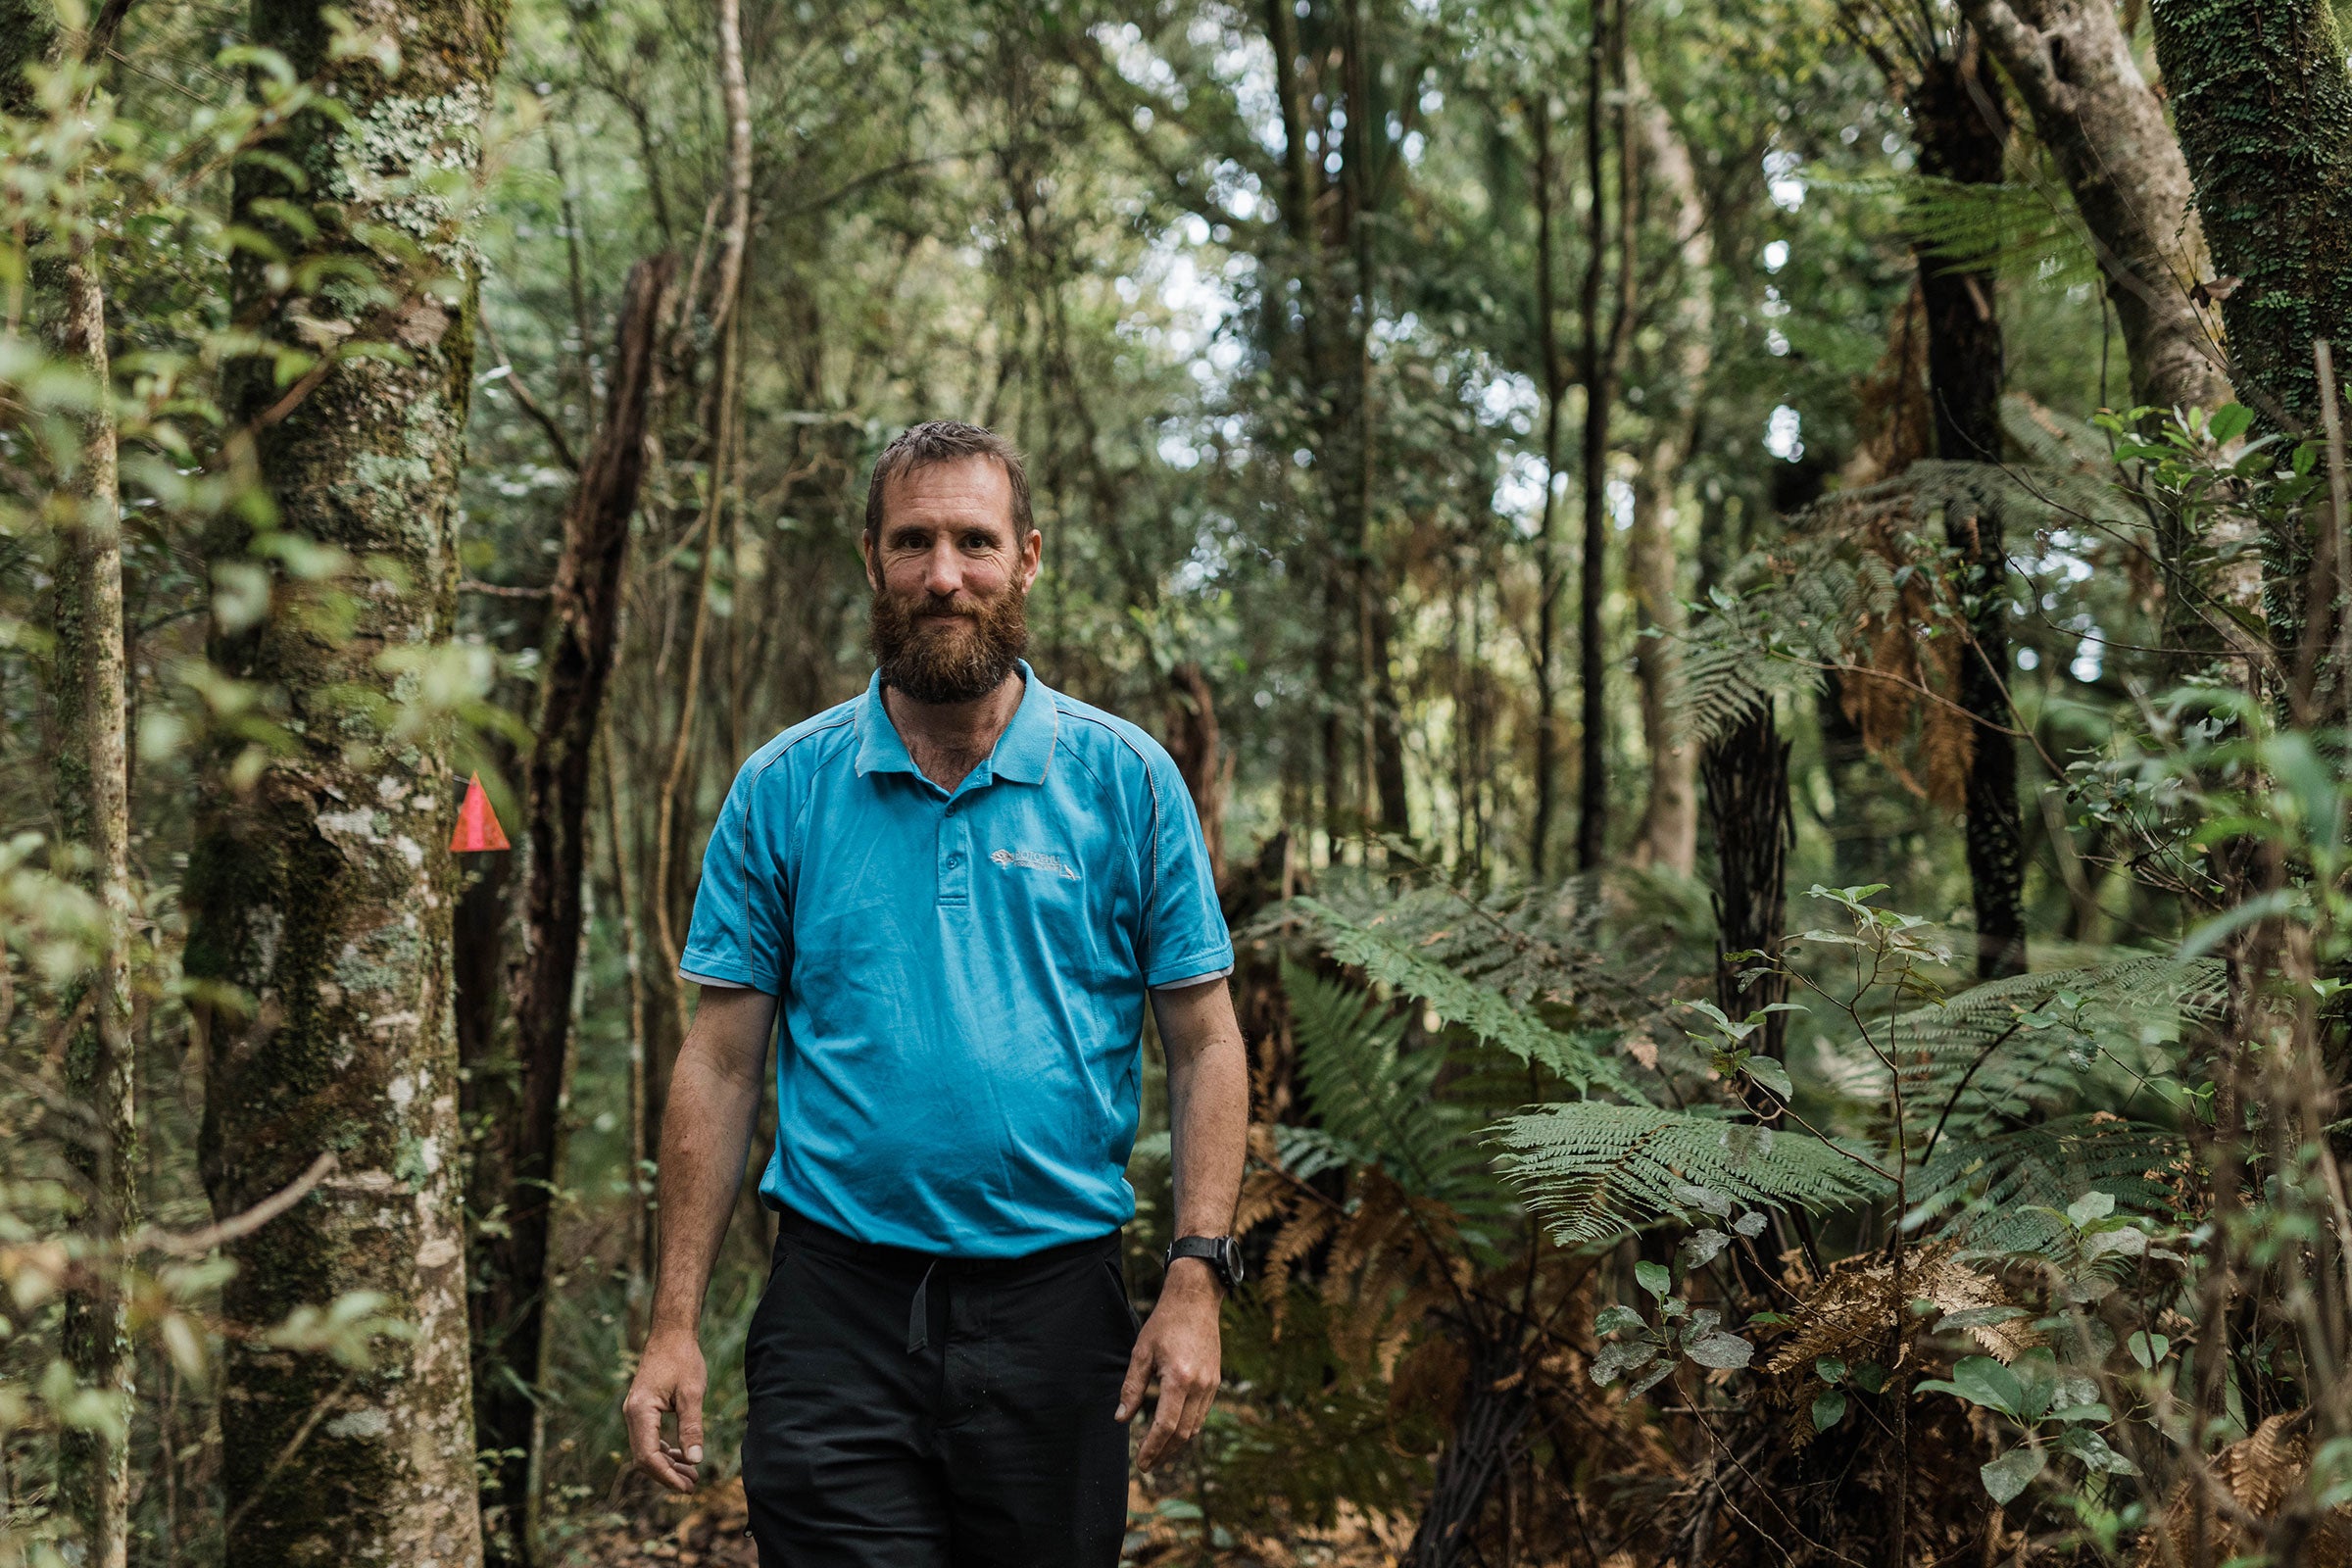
{"x":477,"y":824}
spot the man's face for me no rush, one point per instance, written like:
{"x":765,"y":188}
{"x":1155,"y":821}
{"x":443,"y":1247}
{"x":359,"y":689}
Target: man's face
{"x":949,"y":577}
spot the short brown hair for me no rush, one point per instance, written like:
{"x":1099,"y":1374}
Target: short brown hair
{"x":945,"y":441}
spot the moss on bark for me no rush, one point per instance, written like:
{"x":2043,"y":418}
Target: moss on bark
{"x":321,"y":893}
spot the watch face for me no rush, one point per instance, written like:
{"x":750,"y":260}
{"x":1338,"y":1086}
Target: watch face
{"x":1229,"y":1260}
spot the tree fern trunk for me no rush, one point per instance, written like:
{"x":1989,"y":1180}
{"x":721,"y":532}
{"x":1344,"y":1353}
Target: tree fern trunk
{"x":1963,"y":135}
{"x":319,"y":887}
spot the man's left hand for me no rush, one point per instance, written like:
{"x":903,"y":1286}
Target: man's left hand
{"x":1178,"y":1348}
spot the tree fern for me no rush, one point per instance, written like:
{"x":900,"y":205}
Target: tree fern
{"x":1482,"y":1011}
{"x":1376,"y":1103}
{"x":1596,"y":1170}
{"x":1995,"y":1193}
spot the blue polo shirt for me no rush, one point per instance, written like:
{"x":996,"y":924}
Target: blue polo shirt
{"x":962,"y":975}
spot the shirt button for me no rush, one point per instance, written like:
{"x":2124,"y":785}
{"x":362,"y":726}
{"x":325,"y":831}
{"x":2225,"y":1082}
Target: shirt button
{"x":955,"y":861}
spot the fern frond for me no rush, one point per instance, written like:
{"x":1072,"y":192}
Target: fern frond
{"x":1484,"y":1011}
{"x":1994,"y":1194}
{"x":1374,"y":1101}
{"x":1596,"y":1170}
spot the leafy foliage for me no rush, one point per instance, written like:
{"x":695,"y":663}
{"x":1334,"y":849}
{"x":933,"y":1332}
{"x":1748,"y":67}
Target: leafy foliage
{"x":1595,"y":1169}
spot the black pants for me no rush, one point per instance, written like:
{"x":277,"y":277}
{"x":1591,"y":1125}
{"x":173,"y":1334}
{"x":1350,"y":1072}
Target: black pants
{"x":908,"y":1411}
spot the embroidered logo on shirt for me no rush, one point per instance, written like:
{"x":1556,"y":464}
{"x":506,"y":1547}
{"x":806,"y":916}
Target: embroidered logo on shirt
{"x":1035,"y":860}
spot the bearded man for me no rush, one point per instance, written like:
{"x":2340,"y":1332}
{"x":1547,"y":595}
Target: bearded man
{"x":958,"y":889}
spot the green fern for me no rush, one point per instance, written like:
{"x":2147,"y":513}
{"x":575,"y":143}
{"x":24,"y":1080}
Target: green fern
{"x":2032,"y":1044}
{"x":1597,"y":1170}
{"x":1479,"y":1008}
{"x":1995,"y":1194}
{"x":1376,"y":1103}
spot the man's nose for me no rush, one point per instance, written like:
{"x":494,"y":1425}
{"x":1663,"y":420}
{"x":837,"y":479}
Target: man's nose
{"x":943,"y":569}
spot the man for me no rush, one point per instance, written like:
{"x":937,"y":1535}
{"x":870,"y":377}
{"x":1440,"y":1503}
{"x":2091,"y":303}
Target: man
{"x":959,"y":888}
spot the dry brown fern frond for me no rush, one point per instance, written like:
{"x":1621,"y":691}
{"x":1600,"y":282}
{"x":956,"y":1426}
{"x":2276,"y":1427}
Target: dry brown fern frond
{"x":1855,"y":1312}
{"x":2250,"y":1483}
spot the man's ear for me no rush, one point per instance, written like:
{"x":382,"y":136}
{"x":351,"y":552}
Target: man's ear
{"x":866,"y":552}
{"x":1033,"y":559}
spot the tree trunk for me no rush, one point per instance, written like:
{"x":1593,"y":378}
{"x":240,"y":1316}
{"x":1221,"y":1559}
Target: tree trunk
{"x":1963,"y":135}
{"x":1603,"y":369}
{"x":93,"y":808}
{"x":1745,"y":770}
{"x":320,"y":893}
{"x":514,"y":1168}
{"x":2073,"y":65}
{"x":2263,"y":100}
{"x":1547,"y":542}
{"x":1669,"y":834}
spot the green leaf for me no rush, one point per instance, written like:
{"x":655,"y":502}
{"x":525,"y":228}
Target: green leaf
{"x":1772,"y":1075}
{"x":2013,"y":1472}
{"x":1829,"y":1409}
{"x":1982,"y":1380}
{"x":2229,"y":422}
{"x":1621,"y":1356}
{"x":1616,"y":1318}
{"x":2093,"y":1205}
{"x":2148,"y":1349}
{"x":2093,"y":1450}
{"x":1829,"y":1369}
{"x":1654,"y":1278}
{"x":1721,"y":1350}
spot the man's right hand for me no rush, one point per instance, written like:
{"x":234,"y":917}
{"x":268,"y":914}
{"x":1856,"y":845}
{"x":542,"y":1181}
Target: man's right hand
{"x":670,"y":1380}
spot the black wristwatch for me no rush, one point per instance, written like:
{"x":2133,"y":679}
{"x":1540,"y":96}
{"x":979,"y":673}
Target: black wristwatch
{"x":1221,"y":1253}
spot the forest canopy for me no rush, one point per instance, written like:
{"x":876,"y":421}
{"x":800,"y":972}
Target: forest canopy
{"x":1755,"y":601}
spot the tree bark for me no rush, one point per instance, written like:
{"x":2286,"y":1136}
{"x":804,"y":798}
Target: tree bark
{"x":2261,"y":98}
{"x":93,"y":808}
{"x":1547,"y":542}
{"x":1669,"y":835}
{"x":1193,"y":744}
{"x":515,"y":1172}
{"x":1602,"y":372}
{"x":2072,"y":66}
{"x":1963,"y":134}
{"x":1745,"y":769}
{"x":2263,"y":101}
{"x":320,"y":888}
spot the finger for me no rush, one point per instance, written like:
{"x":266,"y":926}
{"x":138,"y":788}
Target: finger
{"x":643,"y":1418}
{"x":1138,"y":1373}
{"x":1160,"y":1441}
{"x":690,"y":1421}
{"x":1196,"y":1411}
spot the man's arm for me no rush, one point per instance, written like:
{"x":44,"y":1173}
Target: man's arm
{"x":706,"y":1134}
{"x":1208,"y":1117}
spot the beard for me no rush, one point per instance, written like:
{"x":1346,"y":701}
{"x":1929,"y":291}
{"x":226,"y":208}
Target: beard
{"x":947,"y":661}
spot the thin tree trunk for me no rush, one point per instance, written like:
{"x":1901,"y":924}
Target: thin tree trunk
{"x":1963,"y":135}
{"x":93,"y":780}
{"x":728,"y":319}
{"x":2073,"y":65}
{"x":515,"y":1169}
{"x":1669,"y":835}
{"x":1193,"y":744}
{"x":640,"y":1261}
{"x":1603,"y":369}
{"x":1547,"y":538}
{"x":321,"y":893}
{"x":1747,"y":773}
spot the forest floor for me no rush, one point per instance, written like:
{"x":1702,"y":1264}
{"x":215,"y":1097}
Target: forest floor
{"x":708,"y":1531}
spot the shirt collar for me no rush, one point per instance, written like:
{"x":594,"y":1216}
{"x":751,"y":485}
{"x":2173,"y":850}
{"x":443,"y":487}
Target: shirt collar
{"x":1022,"y":753}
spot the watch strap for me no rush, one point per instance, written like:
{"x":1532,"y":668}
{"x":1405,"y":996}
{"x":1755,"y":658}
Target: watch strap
{"x":1218,"y":1251}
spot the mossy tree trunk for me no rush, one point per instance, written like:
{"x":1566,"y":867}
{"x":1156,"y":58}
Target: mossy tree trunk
{"x":2262,"y":99}
{"x":93,"y":808}
{"x":319,"y":889}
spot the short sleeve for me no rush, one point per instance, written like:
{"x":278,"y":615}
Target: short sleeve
{"x":739,"y":934}
{"x":1184,"y":932}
